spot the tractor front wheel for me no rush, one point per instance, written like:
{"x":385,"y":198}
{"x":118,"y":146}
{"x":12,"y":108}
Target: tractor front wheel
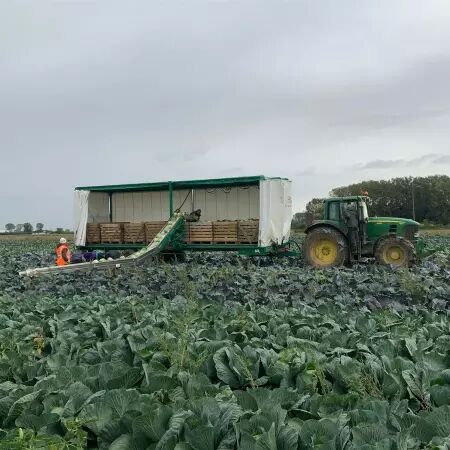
{"x":395,"y":251}
{"x":325,"y":247}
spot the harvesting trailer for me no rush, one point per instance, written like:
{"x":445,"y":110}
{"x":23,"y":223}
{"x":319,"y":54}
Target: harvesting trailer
{"x":249,"y":215}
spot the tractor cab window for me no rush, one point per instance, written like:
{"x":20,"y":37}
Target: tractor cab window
{"x":333,"y":211}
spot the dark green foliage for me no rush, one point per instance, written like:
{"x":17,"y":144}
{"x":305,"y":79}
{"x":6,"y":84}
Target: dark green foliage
{"x":10,"y":227}
{"x":395,"y":197}
{"x":222,"y":352}
{"x":27,"y":227}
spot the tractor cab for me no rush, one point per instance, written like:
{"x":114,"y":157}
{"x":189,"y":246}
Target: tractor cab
{"x":350,"y":216}
{"x":347,"y":233}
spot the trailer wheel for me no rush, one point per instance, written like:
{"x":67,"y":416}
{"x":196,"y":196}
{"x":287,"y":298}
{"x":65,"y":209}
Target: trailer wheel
{"x":325,"y":247}
{"x":395,"y":251}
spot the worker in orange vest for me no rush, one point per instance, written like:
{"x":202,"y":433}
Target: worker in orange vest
{"x":63,"y":255}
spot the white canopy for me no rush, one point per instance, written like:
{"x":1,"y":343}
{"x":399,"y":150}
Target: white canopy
{"x":275,"y":200}
{"x":81,"y":204}
{"x":89,"y":207}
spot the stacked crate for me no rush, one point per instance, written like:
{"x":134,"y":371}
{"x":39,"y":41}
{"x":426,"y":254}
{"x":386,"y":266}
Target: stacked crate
{"x":185,"y":235}
{"x":218,"y":232}
{"x":222,"y":232}
{"x":111,"y":233}
{"x":133,"y":233}
{"x":225,"y":232}
{"x":248,"y":231}
{"x":198,"y":233}
{"x":93,"y":233}
{"x":152,"y":229}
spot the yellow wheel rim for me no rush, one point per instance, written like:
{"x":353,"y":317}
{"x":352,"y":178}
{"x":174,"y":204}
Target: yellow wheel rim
{"x":324,"y":252}
{"x":394,"y":254}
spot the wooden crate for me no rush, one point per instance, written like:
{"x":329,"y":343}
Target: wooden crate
{"x":111,"y":233}
{"x":248,"y":231}
{"x":93,"y":233}
{"x":152,"y":229}
{"x":185,"y":237}
{"x":225,"y":232}
{"x":133,"y":233}
{"x":200,"y":233}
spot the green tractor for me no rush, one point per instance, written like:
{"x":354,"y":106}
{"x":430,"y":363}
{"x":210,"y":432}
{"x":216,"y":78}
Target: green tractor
{"x":347,"y":234}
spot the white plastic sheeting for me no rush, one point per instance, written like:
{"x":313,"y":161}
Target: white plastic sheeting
{"x":98,"y":211}
{"x":81,"y":206}
{"x":232,"y":203}
{"x":89,"y":207}
{"x":147,"y":206}
{"x":275,"y":199}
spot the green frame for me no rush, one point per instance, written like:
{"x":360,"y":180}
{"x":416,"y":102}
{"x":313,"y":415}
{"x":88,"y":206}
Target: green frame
{"x":242,"y":249}
{"x":180,"y":184}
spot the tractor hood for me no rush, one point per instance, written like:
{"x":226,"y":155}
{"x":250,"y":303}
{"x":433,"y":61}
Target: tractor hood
{"x":397,"y":220}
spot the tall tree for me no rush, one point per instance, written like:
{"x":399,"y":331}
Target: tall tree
{"x":19,"y":227}
{"x":27,"y":227}
{"x":39,"y":227}
{"x":299,"y":220}
{"x":314,"y":210}
{"x":10,"y":227}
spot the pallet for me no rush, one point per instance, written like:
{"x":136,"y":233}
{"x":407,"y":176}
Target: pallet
{"x":248,"y":231}
{"x":152,"y":229}
{"x":133,"y":233}
{"x":185,"y":236}
{"x":218,"y":232}
{"x":111,"y":233}
{"x":225,"y":232}
{"x":93,"y":233}
{"x":200,"y":233}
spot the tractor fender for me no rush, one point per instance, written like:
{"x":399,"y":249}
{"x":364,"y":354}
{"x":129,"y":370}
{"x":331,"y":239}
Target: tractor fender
{"x":378,"y":242}
{"x":327,"y":229}
{"x":332,"y":226}
{"x":387,"y":236}
{"x":324,"y":225}
{"x":407,"y":245}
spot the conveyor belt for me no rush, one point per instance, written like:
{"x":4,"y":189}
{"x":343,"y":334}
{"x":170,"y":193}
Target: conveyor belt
{"x":159,"y":243}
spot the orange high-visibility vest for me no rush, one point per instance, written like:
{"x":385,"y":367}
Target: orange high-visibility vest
{"x":59,"y":255}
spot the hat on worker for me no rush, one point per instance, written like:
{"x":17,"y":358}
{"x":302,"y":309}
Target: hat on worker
{"x":63,"y":241}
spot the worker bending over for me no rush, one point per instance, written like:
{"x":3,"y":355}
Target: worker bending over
{"x":194,"y":216}
{"x":63,"y":255}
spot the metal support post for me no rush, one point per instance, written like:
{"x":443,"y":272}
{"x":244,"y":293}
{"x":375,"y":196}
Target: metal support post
{"x":110,"y":206}
{"x":170,"y":199}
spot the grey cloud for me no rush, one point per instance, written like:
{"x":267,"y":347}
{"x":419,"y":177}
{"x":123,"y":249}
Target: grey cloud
{"x":141,"y":91}
{"x":402,"y":163}
{"x":307,"y":171}
{"x":444,"y":159}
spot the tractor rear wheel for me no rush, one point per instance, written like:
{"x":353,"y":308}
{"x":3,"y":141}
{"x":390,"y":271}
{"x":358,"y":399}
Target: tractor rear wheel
{"x":395,"y":251}
{"x":325,"y":247}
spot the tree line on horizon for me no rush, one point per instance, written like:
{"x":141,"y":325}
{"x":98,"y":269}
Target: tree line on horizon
{"x":425,"y":199}
{"x":27,"y":227}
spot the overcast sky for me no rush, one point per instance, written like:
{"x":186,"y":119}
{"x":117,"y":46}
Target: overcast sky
{"x":324,"y":92}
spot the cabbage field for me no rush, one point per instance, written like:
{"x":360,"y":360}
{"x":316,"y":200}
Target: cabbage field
{"x":225,"y":352}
